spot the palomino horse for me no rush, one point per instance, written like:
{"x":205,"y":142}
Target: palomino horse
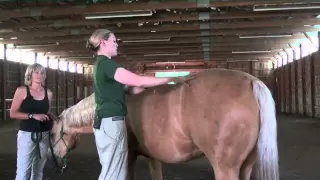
{"x":227,"y":116}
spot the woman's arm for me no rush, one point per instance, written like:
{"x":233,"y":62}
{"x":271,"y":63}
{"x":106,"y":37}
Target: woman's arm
{"x":133,"y":90}
{"x":131,"y":79}
{"x":50,"y":95}
{"x":18,"y":97}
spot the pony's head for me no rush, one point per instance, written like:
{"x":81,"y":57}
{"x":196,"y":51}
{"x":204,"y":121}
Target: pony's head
{"x":62,"y":141}
{"x":66,"y":129}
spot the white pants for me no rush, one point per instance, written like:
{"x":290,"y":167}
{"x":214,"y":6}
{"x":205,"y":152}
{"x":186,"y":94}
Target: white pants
{"x":29,"y":165}
{"x":111,"y":142}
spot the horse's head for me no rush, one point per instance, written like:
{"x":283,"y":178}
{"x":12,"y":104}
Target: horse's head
{"x":62,"y":141}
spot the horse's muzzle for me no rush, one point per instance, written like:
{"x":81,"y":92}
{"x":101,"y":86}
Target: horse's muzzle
{"x":53,"y":162}
{"x":50,"y":161}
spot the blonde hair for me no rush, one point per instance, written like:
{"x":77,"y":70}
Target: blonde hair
{"x":34,"y":68}
{"x":93,"y":43}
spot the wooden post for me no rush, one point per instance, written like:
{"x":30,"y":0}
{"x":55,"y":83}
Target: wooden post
{"x":4,"y":71}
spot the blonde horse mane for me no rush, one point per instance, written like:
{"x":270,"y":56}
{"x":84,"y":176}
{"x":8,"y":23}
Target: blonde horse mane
{"x":80,"y":114}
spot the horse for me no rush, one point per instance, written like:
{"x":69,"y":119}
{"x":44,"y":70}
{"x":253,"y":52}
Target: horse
{"x":228,"y":116}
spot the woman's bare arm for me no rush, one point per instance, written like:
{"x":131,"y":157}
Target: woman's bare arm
{"x":131,"y":79}
{"x":134,"y":90}
{"x":18,"y":97}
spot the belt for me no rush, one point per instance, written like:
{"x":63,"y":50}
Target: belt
{"x":118,"y":118}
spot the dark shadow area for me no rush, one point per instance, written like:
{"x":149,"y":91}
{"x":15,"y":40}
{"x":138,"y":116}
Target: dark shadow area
{"x":299,"y":148}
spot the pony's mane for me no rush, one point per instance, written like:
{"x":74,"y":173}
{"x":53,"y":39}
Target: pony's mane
{"x":80,"y":114}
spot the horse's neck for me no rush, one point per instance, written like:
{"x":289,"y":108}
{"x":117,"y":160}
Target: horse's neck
{"x":85,"y":129}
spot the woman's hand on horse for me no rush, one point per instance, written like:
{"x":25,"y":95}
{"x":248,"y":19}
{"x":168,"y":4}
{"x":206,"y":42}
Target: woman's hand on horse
{"x":40,"y":117}
{"x":183,"y":79}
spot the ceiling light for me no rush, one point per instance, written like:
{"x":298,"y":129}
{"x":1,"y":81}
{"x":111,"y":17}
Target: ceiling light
{"x":119,"y":14}
{"x":246,"y":60}
{"x":250,"y":51}
{"x":36,"y":45}
{"x":76,"y":57}
{"x":163,"y":54}
{"x":147,"y":40}
{"x":265,"y":36}
{"x":284,"y":7}
{"x":178,"y":62}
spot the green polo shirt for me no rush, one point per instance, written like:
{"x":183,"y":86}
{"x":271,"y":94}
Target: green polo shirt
{"x":109,"y":94}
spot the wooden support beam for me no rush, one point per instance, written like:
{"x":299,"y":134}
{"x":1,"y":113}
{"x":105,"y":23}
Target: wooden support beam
{"x":66,"y":95}
{"x":47,"y":71}
{"x":250,"y":67}
{"x":176,"y":35}
{"x":167,"y":17}
{"x":75,"y":85}
{"x":312,"y":86}
{"x":84,"y":82}
{"x":4,"y":71}
{"x":283,"y":97}
{"x":57,"y":89}
{"x":175,"y":28}
{"x":296,"y":81}
{"x":274,"y":84}
{"x":318,"y":40}
{"x":290,"y":84}
{"x":87,"y":9}
{"x":303,"y":81}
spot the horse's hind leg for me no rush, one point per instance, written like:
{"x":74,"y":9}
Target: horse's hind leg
{"x":226,"y":173}
{"x":155,"y":168}
{"x":223,"y":168}
{"x":246,"y":169}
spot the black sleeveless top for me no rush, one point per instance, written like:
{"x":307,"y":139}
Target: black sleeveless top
{"x":30,"y":105}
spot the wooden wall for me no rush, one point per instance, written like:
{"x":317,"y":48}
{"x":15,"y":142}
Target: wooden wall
{"x":257,"y":69}
{"x":297,"y":86}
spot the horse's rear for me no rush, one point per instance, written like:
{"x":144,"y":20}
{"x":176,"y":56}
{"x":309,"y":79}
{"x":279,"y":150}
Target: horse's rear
{"x":219,"y":115}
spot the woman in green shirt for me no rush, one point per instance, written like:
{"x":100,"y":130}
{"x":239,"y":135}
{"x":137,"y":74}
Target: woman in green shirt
{"x":109,"y":79}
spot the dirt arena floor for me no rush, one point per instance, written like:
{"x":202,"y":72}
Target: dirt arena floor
{"x":299,"y":148}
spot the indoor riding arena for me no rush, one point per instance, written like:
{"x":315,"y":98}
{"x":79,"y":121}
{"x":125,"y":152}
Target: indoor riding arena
{"x":275,"y":41}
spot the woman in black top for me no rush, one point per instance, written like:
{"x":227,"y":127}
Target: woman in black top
{"x":31,"y":104}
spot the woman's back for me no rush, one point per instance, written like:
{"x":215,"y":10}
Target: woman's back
{"x":109,"y":94}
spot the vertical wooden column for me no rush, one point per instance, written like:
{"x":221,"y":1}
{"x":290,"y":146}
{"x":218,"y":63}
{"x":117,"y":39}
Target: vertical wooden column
{"x":296,"y":87}
{"x":35,"y":57}
{"x":312,"y":86}
{"x":75,"y":85}
{"x":303,"y":81}
{"x":290,"y":83}
{"x":4,"y":71}
{"x":283,"y":97}
{"x":285,"y":83}
{"x":47,"y":71}
{"x":66,"y":74}
{"x":57,"y":88}
{"x":84,"y":84}
{"x":21,"y":79}
{"x":274,"y":83}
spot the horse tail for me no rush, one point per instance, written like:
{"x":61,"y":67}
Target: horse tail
{"x":267,"y":167}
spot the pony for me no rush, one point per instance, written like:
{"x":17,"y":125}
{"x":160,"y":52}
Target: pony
{"x":228,"y":116}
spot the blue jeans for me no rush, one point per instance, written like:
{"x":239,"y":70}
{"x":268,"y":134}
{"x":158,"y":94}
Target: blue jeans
{"x":29,"y":164}
{"x":111,"y":142}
